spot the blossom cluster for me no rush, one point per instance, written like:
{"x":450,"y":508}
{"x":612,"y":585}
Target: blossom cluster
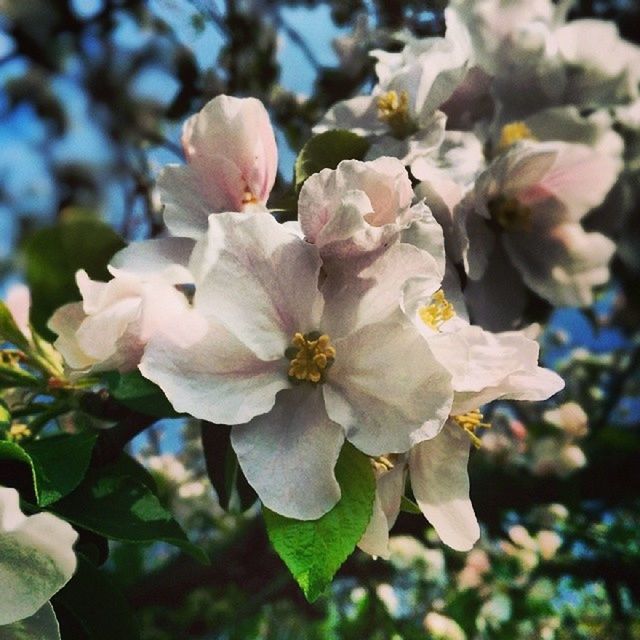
{"x":393,"y":308}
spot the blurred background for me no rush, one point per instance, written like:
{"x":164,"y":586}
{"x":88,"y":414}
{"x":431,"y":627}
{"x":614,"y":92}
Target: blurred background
{"x":93,"y":94}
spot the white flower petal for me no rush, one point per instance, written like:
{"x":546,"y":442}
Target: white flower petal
{"x":217,"y":379}
{"x":288,"y":455}
{"x":185,"y":209}
{"x":440,"y":483}
{"x":42,"y":625}
{"x":163,"y":258}
{"x":386,"y":388}
{"x":36,"y":558}
{"x":263,"y":285}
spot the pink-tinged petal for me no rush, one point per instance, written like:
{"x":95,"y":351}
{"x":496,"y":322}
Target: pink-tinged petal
{"x":217,"y":379}
{"x":65,"y":322}
{"x":580,"y":178}
{"x":263,"y":283}
{"x":358,"y":207}
{"x":386,"y":507}
{"x":440,"y":483}
{"x":163,"y":258}
{"x":185,"y":209}
{"x":231,"y":148}
{"x":370,"y":289}
{"x":19,"y":303}
{"x":562,"y":265}
{"x":386,"y":389}
{"x":288,"y":455}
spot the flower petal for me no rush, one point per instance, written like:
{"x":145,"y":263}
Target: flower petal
{"x":36,"y":558}
{"x":263,"y":284}
{"x":217,"y":379}
{"x":288,"y":455}
{"x":386,"y":388}
{"x":440,"y":483}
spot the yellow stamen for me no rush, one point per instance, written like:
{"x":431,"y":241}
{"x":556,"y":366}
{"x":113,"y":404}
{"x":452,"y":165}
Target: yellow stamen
{"x":514,"y":132}
{"x":382,"y":464}
{"x":393,"y":108}
{"x":19,"y":431}
{"x":510,"y":214}
{"x":248,"y":197}
{"x":310,"y":355}
{"x":436,"y":313}
{"x":471,"y":421}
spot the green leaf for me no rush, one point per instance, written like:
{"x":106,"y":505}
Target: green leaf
{"x":139,"y":394}
{"x":96,"y":605}
{"x":325,"y":151}
{"x":42,"y":625}
{"x":112,"y":502}
{"x":14,"y":452}
{"x":54,"y":254}
{"x":15,"y":376}
{"x":59,"y":463}
{"x":9,"y":330}
{"x":314,"y":550}
{"x":235,"y":494}
{"x":409,"y":506}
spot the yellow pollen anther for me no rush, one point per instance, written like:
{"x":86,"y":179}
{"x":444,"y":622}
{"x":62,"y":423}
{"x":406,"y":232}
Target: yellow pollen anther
{"x":393,"y":108}
{"x":436,"y":313}
{"x":510,"y":214}
{"x":19,"y":431}
{"x":249,"y":198}
{"x":310,"y":355}
{"x":514,"y":132}
{"x":471,"y":421}
{"x":382,"y":464}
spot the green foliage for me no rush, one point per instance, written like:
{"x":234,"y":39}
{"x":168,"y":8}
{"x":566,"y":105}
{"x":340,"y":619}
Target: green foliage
{"x":96,"y":606}
{"x":54,"y":254}
{"x":59,"y":464}
{"x":116,"y":502}
{"x":233,"y":490}
{"x":326,"y":151}
{"x":135,"y":392}
{"x":314,"y":550}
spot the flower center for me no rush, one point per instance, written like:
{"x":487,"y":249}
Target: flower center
{"x":248,"y":197}
{"x":514,"y":132}
{"x":310,"y":355}
{"x":393,"y":108}
{"x":510,"y":214}
{"x":437,"y":312}
{"x":469,"y":422}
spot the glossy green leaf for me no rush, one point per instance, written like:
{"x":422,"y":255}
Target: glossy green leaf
{"x":326,"y":151}
{"x":97,"y":605}
{"x":112,"y":502}
{"x":139,"y":394}
{"x":314,"y":550}
{"x":60,"y":463}
{"x":54,"y":254}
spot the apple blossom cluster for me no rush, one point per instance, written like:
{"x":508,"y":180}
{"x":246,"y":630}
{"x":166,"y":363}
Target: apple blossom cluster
{"x":345,"y":325}
{"x":392,"y":308}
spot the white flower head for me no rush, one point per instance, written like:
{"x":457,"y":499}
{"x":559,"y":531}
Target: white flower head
{"x":232,"y":161}
{"x":298,"y":369}
{"x":358,"y":207}
{"x":110,"y":328}
{"x":524,"y":213}
{"x":36,"y":558}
